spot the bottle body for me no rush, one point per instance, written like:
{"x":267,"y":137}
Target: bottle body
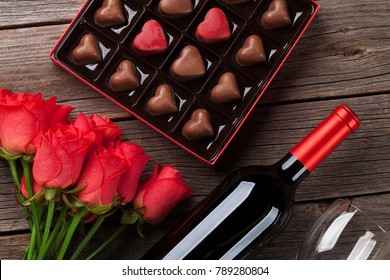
{"x":253,"y":204}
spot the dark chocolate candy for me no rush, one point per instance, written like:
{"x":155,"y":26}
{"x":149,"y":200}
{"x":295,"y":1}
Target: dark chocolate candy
{"x":175,"y":8}
{"x":110,"y":14}
{"x":151,"y":40}
{"x":226,"y":90}
{"x":87,"y":51}
{"x":189,"y":65}
{"x":234,"y":2}
{"x":199,"y":126}
{"x":215,"y":27}
{"x":125,"y":77}
{"x":252,"y":52}
{"x":163,"y":102}
{"x":276,"y":16}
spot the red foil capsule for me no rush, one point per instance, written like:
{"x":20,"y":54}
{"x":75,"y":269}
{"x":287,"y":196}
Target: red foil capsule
{"x":313,"y":149}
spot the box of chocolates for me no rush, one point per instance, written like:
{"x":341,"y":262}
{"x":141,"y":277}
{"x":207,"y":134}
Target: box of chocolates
{"x":191,"y":69}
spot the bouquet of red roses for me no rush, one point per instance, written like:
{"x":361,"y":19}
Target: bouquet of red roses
{"x":71,"y":172}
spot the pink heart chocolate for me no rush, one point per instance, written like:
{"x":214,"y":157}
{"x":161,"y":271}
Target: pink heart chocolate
{"x":151,"y":40}
{"x":215,"y":27}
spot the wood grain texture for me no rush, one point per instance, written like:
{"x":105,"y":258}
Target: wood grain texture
{"x":342,"y":58}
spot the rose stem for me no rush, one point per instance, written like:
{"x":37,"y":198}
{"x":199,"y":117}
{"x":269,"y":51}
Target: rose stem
{"x":96,"y":225}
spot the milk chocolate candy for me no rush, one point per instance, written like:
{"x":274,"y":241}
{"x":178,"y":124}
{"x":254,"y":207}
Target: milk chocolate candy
{"x":163,"y":102}
{"x":125,"y":77}
{"x":276,"y":16}
{"x":199,"y":126}
{"x":87,"y":51}
{"x":252,"y":52}
{"x":226,"y":90}
{"x":189,"y":65}
{"x":175,"y":8}
{"x":110,"y":14}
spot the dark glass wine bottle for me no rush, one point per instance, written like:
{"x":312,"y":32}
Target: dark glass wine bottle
{"x":253,"y":204}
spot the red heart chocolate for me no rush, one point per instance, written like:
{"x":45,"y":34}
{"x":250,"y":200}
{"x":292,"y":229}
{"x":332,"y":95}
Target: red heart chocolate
{"x":151,"y":40}
{"x":189,"y":65}
{"x":87,"y":51}
{"x":276,"y":16}
{"x":125,"y":77}
{"x":175,"y":8}
{"x":226,"y":90}
{"x":199,"y":126}
{"x":110,"y":14}
{"x":163,"y":102}
{"x":252,"y":52}
{"x":215,"y":27}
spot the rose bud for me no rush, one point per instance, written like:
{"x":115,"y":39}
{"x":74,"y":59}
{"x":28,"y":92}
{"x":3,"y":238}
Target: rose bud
{"x":107,"y":134}
{"x":36,"y":189}
{"x":100,"y":176}
{"x":24,"y":118}
{"x":160,"y":193}
{"x":60,"y":156}
{"x":137,"y":160}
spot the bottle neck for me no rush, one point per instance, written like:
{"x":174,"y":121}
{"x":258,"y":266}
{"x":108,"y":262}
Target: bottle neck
{"x":316,"y":146}
{"x":292,"y":170}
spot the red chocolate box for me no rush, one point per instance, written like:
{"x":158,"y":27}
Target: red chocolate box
{"x":192,"y":70}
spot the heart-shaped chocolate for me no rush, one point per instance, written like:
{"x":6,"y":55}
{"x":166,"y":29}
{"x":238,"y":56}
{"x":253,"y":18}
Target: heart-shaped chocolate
{"x":163,"y":102}
{"x":276,"y":16}
{"x":234,"y":2}
{"x":175,"y":8}
{"x":87,"y":51}
{"x":151,"y":40}
{"x":252,"y":52}
{"x":215,"y":27}
{"x":125,"y":77}
{"x":226,"y":90}
{"x":189,"y":65}
{"x":110,"y":14}
{"x":199,"y":126}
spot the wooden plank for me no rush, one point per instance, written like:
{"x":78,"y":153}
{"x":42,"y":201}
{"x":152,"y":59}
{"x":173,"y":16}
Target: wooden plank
{"x":337,"y":57}
{"x":284,"y":247}
{"x":14,"y":14}
{"x":359,"y":166}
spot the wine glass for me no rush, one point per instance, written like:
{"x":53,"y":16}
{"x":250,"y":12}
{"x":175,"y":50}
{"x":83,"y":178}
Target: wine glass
{"x":343,"y":231}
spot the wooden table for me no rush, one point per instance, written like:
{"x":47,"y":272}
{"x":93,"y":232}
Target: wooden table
{"x":344,"y":57}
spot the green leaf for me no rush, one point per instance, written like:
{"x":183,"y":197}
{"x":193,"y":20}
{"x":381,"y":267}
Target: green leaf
{"x":76,"y":190}
{"x":140,"y":227}
{"x":7,"y":156}
{"x":51,"y":194}
{"x":130,"y":217}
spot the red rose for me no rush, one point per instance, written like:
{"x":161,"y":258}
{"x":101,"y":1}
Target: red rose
{"x":24,"y":118}
{"x":107,"y":134}
{"x":100,"y":175}
{"x":60,"y":156}
{"x":137,"y":160}
{"x":160,"y":193}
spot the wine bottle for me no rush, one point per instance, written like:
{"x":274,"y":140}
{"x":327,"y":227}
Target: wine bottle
{"x":253,"y":204}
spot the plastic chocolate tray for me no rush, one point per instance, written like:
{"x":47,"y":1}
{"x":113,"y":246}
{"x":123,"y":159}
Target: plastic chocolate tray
{"x":207,"y":133}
